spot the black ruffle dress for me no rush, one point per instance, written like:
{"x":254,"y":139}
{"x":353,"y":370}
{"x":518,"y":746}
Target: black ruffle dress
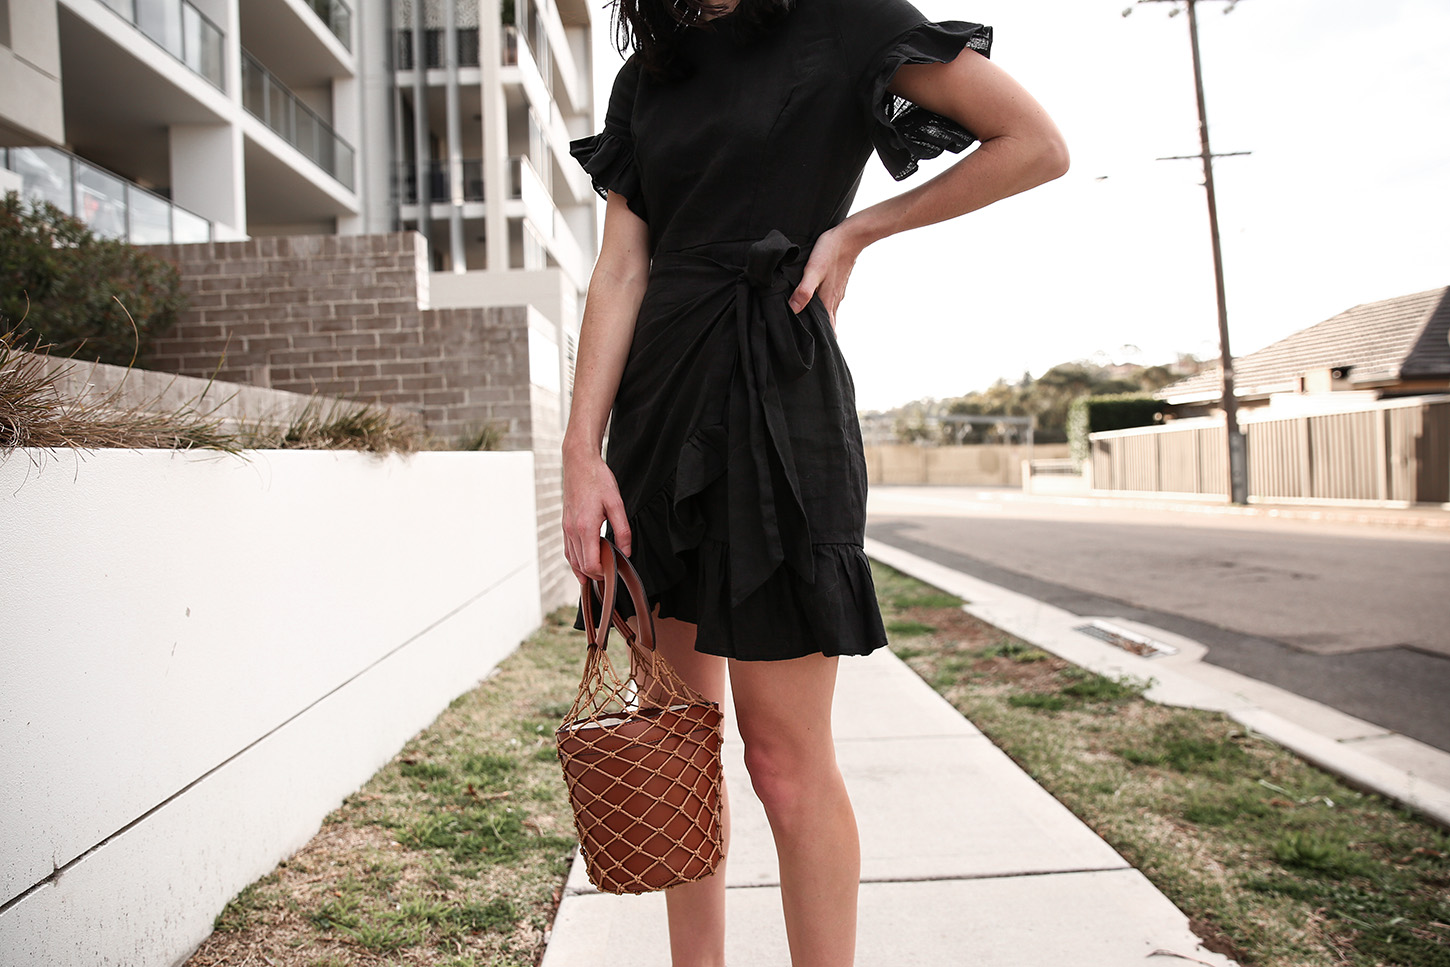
{"x":734,"y":437}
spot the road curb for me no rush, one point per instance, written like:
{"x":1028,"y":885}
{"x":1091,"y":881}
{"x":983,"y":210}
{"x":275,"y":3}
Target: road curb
{"x":1426,"y":517}
{"x":1055,"y":630}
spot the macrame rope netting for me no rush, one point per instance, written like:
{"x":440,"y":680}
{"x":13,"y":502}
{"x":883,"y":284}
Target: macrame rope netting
{"x":640,"y":750}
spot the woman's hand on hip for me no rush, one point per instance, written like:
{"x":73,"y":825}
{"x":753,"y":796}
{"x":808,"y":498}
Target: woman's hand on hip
{"x":827,"y":270}
{"x":591,"y":495}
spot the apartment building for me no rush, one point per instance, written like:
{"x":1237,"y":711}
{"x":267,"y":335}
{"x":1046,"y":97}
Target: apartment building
{"x":195,"y":120}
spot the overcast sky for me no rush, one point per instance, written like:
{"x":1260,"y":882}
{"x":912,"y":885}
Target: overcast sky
{"x":1345,"y":105}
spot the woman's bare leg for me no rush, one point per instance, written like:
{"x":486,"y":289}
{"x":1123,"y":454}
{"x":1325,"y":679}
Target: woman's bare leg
{"x":696,"y":910}
{"x":783,"y":709}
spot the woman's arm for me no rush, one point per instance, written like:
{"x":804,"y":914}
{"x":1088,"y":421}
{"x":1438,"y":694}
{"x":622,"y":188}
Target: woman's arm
{"x":1020,"y":149}
{"x":616,"y":289}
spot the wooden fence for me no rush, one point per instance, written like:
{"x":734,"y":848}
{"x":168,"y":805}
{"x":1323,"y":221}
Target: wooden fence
{"x":983,"y":465}
{"x":1387,"y":452}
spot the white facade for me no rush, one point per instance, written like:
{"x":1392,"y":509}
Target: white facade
{"x":183,"y":120}
{"x":488,"y":94}
{"x":242,"y":112}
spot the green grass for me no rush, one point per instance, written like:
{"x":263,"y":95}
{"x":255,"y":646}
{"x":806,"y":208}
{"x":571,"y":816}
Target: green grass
{"x":908,"y":629}
{"x":1016,"y":650}
{"x":1276,"y":863}
{"x":454,"y":853}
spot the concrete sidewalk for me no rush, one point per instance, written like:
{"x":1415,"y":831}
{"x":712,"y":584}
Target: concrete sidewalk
{"x":965,"y":859}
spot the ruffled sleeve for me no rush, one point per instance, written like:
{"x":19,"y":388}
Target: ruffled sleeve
{"x":608,"y":157}
{"x":904,"y":133}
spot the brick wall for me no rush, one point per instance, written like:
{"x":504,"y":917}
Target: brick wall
{"x":342,"y":316}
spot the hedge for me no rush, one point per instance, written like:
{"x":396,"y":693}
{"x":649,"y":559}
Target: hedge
{"x":1094,"y":414}
{"x":63,"y":287}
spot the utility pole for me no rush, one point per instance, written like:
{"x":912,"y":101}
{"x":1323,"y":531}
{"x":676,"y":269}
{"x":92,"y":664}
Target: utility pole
{"x":1238,"y":474}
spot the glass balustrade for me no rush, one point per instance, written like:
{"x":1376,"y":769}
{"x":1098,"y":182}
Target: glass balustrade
{"x":510,"y":46}
{"x":434,"y":44}
{"x":271,"y":102}
{"x":108,"y":204}
{"x":337,"y":17}
{"x":181,"y":30}
{"x":437,"y":173}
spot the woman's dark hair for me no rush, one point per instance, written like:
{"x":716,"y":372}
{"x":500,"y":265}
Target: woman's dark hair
{"x":652,"y":28}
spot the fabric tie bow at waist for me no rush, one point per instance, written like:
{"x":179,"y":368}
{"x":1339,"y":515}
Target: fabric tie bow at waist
{"x":767,"y":523}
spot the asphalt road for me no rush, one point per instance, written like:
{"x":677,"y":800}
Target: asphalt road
{"x":1351,"y":615}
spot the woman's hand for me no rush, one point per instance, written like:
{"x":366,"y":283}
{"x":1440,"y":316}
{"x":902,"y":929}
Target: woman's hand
{"x":591,"y":495}
{"x":827,"y":270}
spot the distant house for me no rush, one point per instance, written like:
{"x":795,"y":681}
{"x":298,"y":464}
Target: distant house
{"x":1398,"y":347}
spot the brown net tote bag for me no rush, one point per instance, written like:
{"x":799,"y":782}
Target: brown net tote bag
{"x":641,"y":753}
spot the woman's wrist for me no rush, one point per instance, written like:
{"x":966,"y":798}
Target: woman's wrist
{"x":862,"y":229}
{"x":580,"y":446}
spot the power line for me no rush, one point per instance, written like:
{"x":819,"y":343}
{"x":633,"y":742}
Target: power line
{"x":1237,"y":451}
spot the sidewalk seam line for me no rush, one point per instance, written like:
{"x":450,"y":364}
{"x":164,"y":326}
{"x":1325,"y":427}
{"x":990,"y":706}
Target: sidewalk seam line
{"x":887,"y":880}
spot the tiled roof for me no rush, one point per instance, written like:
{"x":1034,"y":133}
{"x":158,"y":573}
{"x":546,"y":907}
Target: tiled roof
{"x":1399,"y":338}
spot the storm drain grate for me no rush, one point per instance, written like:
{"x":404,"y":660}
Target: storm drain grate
{"x":1129,"y":641}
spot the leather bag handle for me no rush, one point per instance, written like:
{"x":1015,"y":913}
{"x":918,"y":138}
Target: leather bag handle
{"x":643,"y":639}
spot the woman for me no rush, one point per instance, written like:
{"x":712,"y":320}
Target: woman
{"x":733,"y":144}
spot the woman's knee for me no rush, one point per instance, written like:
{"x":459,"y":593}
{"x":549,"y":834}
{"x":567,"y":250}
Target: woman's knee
{"x":788,"y":777}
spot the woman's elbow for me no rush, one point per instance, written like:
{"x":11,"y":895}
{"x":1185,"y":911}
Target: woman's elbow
{"x":1052,"y":159}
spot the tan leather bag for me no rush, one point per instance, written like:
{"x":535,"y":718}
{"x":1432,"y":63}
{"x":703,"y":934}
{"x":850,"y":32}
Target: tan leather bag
{"x":641,"y":754}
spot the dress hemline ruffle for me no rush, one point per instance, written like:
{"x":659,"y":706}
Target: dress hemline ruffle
{"x":835,"y":615}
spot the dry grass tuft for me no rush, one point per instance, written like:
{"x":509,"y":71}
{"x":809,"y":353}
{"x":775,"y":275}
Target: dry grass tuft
{"x":340,"y":425}
{"x":34,"y":414}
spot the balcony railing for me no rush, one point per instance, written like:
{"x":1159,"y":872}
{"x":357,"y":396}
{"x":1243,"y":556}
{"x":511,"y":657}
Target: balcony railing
{"x":271,"y":102}
{"x":433,"y":44}
{"x":437,"y":173}
{"x":110,"y":205}
{"x":181,"y":30}
{"x":336,"y":16}
{"x":510,"y":46}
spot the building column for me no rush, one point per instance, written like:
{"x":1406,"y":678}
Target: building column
{"x":457,"y":258}
{"x":379,"y":149}
{"x":495,"y":134}
{"x":422,"y":156}
{"x":208,"y":175}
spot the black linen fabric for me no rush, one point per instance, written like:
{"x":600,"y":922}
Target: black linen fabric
{"x":734,"y":436}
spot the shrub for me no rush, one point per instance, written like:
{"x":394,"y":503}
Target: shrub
{"x":72,"y":290}
{"x":1093,"y":414}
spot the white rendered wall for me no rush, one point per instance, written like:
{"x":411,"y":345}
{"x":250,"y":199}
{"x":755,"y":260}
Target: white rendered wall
{"x":200,"y":657}
{"x":208,"y":174}
{"x":31,"y":109}
{"x":547,"y":290}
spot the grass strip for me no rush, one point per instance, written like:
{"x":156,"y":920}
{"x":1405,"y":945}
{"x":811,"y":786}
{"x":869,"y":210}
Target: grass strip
{"x":1275,"y":862}
{"x":453,"y":854}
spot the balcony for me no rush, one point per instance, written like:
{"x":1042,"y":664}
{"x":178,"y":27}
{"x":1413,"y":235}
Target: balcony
{"x":336,"y":16}
{"x":272,"y":103}
{"x":434,"y":41}
{"x":439,"y":190}
{"x":109,"y":205}
{"x":179,"y":29}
